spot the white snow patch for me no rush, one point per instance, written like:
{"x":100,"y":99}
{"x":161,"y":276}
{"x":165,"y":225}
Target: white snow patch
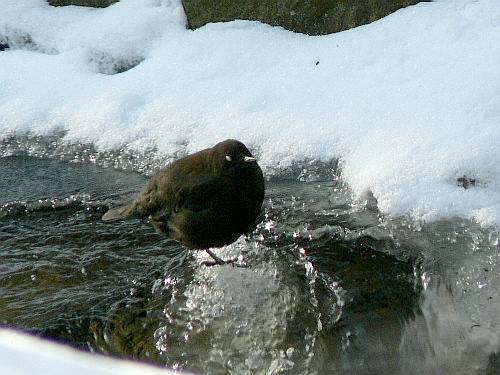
{"x":22,"y":354}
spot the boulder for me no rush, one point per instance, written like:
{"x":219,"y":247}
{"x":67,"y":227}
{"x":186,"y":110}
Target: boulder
{"x":313,"y":17}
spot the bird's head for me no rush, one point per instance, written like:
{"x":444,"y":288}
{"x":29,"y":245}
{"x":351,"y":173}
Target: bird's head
{"x":231,"y":154}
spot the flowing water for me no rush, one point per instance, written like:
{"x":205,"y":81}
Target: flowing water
{"x":334,"y":287}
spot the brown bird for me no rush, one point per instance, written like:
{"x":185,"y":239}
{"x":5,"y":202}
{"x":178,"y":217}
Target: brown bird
{"x":206,"y":199}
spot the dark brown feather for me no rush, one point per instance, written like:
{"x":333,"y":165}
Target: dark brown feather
{"x":202,"y":200}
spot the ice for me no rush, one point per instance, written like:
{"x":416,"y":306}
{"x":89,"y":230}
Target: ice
{"x":408,"y":103}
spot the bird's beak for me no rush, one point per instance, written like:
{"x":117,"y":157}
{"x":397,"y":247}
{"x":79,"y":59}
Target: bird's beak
{"x":249,"y":159}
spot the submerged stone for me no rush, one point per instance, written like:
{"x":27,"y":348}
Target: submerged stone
{"x":375,"y":281}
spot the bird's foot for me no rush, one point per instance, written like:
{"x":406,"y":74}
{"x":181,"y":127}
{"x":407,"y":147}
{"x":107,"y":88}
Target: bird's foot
{"x":232,"y":262}
{"x":219,"y":262}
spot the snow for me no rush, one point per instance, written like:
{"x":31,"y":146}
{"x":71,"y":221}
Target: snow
{"x":408,"y":103}
{"x":22,"y":354}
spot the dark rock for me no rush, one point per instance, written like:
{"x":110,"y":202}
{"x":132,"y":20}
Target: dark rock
{"x":4,"y":46}
{"x":313,"y":17}
{"x":86,"y":3}
{"x":375,"y":281}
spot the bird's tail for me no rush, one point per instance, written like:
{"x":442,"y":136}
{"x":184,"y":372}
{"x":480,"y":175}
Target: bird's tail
{"x":117,"y":213}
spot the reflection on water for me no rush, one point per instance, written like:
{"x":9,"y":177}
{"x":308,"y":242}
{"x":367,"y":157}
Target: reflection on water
{"x":333,"y":287}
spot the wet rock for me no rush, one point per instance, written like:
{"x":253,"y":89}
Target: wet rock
{"x":375,"y":281}
{"x":125,"y":332}
{"x":313,"y":17}
{"x":4,"y":46}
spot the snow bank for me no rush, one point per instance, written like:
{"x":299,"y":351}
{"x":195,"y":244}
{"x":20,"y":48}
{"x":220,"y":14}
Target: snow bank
{"x":21,"y":354}
{"x":409,"y":103}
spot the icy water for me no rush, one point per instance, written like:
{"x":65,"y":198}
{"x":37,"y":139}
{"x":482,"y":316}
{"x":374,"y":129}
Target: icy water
{"x":334,"y":287}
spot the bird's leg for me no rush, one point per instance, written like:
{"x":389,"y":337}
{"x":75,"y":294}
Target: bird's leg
{"x":219,"y":262}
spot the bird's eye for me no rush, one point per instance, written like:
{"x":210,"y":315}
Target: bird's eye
{"x":229,"y":158}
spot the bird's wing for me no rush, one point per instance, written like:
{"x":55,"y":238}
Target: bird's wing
{"x":154,"y":200}
{"x":203,"y":193}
